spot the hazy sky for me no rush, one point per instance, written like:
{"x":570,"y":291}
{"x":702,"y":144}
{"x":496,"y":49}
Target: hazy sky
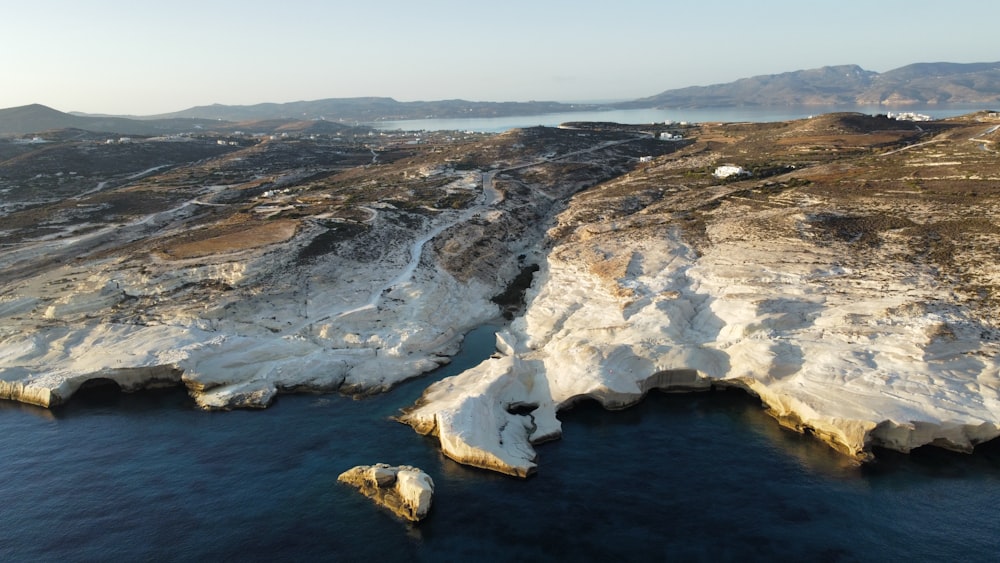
{"x":145,"y":57}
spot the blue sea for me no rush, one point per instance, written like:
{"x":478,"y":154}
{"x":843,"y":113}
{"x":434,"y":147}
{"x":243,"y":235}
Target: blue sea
{"x":685,"y":477}
{"x":691,"y":115}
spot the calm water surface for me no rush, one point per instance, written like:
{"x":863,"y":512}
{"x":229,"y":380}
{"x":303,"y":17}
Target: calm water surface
{"x":693,"y":115}
{"x":680,"y":477}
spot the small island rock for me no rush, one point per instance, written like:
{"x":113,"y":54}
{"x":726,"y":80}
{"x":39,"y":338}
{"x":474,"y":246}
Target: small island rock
{"x":404,"y":490}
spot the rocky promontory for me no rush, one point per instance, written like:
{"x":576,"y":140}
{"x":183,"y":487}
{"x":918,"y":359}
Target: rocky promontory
{"x":849,"y":282}
{"x":282,"y":265}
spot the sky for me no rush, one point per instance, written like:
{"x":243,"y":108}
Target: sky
{"x":140,"y":57}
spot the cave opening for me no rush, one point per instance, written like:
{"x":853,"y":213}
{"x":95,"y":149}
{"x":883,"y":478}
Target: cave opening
{"x":98,"y":391}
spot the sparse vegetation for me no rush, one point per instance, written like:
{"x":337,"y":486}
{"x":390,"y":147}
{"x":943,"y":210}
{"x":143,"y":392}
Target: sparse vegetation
{"x":512,"y":299}
{"x":863,"y":182}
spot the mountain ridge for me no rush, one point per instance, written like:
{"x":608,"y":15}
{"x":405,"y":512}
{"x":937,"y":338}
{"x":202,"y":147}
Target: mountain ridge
{"x":918,"y":83}
{"x":845,"y":85}
{"x":371,"y":108}
{"x":36,"y":118}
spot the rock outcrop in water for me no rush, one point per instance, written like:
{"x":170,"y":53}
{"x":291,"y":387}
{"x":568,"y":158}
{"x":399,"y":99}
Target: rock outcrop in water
{"x":406,"y":491}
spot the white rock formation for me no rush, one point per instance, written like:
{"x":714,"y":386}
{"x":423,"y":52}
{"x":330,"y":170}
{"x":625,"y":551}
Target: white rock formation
{"x":350,"y":284}
{"x":859,"y":358}
{"x":333,"y":325}
{"x":857,"y":304}
{"x":406,"y":491}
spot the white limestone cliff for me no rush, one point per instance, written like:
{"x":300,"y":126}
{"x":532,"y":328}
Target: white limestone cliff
{"x":858,"y":358}
{"x":280,"y":326}
{"x":348,"y":284}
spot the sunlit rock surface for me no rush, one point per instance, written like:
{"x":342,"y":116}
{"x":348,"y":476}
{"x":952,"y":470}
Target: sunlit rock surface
{"x":242,"y":348}
{"x":404,"y":490}
{"x":857,"y":364}
{"x":850,"y":281}
{"x":319,"y":266}
{"x":836,"y":309}
{"x":266,"y":307}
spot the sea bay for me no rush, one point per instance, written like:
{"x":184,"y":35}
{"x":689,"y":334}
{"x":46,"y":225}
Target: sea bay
{"x":690,"y":115}
{"x":707,"y":476}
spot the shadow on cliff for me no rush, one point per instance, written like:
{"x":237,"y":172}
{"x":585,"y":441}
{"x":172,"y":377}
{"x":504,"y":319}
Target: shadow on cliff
{"x":675,"y":426}
{"x":694,"y":326}
{"x":938,"y":463}
{"x":786,"y":316}
{"x":106,"y":395}
{"x":17,"y":406}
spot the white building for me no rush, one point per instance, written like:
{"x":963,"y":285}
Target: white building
{"x":728,"y":171}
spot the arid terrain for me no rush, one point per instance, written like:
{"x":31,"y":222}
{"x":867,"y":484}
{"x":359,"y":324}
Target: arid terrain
{"x":156,"y":261}
{"x":848,"y":279}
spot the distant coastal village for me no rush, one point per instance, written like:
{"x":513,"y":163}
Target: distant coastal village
{"x":908,"y":116}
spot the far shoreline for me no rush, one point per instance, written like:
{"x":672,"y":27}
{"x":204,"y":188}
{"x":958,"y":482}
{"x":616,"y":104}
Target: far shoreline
{"x":727,"y":114}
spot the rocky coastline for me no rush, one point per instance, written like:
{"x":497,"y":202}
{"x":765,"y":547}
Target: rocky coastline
{"x":831,"y":307}
{"x":848,"y":281}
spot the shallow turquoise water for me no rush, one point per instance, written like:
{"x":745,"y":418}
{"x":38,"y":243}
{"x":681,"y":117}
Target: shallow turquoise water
{"x":680,"y":477}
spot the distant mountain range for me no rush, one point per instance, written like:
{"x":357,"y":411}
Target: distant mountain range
{"x":360,"y":110}
{"x":36,"y":118}
{"x":921,"y":83}
{"x":849,"y":85}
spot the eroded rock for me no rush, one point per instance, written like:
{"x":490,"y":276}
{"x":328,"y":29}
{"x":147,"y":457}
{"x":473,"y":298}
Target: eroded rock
{"x":250,"y":291}
{"x":884,"y":335}
{"x":406,"y":491}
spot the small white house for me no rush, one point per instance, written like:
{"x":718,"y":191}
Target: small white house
{"x":645,"y":159}
{"x":908,"y":116}
{"x":728,"y":171}
{"x":32,"y":141}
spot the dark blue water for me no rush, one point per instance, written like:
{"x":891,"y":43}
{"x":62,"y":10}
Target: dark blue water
{"x":680,"y":477}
